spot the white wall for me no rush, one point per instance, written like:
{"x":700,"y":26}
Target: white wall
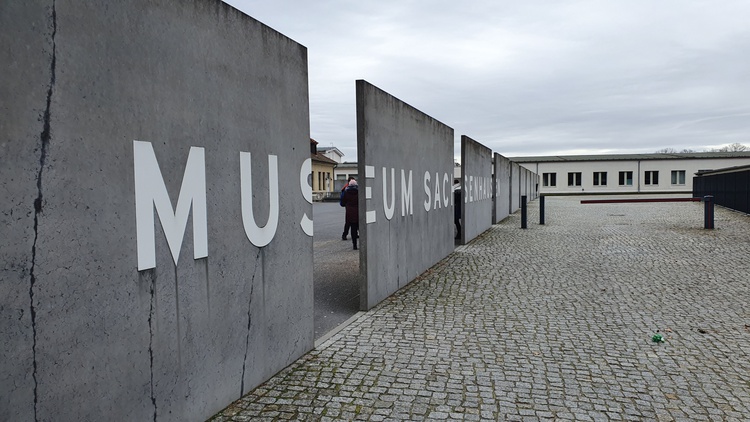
{"x":638,"y":167}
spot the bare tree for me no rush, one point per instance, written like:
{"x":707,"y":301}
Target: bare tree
{"x":735,"y":147}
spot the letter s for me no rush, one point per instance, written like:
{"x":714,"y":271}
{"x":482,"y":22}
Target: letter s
{"x":304,"y":172}
{"x":428,"y":191}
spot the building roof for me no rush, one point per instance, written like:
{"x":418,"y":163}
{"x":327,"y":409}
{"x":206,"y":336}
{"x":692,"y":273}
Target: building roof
{"x":630,"y":157}
{"x":322,"y":159}
{"x":334,"y":149}
{"x":724,"y":170}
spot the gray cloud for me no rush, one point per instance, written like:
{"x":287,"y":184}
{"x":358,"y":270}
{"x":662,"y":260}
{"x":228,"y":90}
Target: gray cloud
{"x":531,"y":78}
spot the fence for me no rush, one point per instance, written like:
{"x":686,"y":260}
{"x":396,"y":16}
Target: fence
{"x":729,"y":187}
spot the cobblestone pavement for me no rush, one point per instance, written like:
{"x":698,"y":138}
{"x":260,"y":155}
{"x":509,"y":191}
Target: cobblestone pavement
{"x":550,"y":323}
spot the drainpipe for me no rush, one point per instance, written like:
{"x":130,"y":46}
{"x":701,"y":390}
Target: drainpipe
{"x":639,"y":176}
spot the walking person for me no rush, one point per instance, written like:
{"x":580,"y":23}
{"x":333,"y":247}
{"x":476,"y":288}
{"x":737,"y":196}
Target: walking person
{"x":457,"y":198}
{"x":350,"y":200}
{"x":346,"y":225}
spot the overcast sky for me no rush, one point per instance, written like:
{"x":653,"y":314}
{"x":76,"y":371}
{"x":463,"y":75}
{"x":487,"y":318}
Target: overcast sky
{"x":531,"y":77}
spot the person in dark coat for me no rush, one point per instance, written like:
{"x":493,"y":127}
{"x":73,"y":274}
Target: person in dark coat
{"x":457,"y":198}
{"x":350,"y":200}
{"x":346,"y":225}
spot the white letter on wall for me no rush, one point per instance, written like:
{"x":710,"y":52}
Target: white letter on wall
{"x":369,"y":174}
{"x":427,"y":191}
{"x":259,"y":236}
{"x":150,"y":192}
{"x":436,"y":203}
{"x":389,"y":210}
{"x":446,"y":192}
{"x":466,"y":189}
{"x":471,"y":188}
{"x":304,"y":173}
{"x":407,"y":203}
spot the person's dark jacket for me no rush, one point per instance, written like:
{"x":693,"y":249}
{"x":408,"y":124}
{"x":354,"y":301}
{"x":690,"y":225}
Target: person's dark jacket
{"x":457,"y":204}
{"x":350,"y":200}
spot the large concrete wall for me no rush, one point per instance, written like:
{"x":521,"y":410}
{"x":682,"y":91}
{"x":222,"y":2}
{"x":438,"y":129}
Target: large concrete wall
{"x":502,"y":188}
{"x":523,"y":184}
{"x":86,"y":335}
{"x":515,"y":187}
{"x":534,"y":182}
{"x":400,"y":151}
{"x":476,"y":177}
{"x":23,"y":92}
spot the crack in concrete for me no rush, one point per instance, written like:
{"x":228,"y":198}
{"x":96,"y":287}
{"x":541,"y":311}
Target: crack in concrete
{"x":177,"y":318}
{"x":45,"y":139}
{"x":249,"y":323}
{"x":151,"y":340}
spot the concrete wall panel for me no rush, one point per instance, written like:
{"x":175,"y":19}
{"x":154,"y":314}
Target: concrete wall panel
{"x":476,"y":184}
{"x":525,"y":183}
{"x":502,"y":188}
{"x":25,"y":66}
{"x":533,"y":179}
{"x":94,"y":337}
{"x":394,"y":137}
{"x":515,"y":187}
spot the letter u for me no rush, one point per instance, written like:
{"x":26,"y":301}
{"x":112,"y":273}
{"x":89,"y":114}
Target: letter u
{"x":259,"y":236}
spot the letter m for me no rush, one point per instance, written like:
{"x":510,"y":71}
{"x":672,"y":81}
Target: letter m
{"x":151,"y":192}
{"x":407,"y":203}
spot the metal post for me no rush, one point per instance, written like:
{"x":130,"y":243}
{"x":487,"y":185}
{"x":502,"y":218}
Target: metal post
{"x":541,"y":210}
{"x":523,"y":211}
{"x":708,"y":213}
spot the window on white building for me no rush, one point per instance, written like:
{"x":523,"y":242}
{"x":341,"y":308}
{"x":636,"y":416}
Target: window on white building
{"x":651,"y":177}
{"x":678,"y":177}
{"x":600,"y":178}
{"x":626,"y":178}
{"x":549,"y":179}
{"x":574,"y":179}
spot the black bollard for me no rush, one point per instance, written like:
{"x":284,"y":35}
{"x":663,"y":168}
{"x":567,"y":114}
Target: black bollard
{"x":541,"y":210}
{"x":523,"y":211}
{"x":708,"y":212}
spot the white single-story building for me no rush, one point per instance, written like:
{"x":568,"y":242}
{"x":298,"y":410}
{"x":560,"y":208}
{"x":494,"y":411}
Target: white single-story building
{"x":343,"y":171}
{"x":333,"y":153}
{"x":626,"y":173}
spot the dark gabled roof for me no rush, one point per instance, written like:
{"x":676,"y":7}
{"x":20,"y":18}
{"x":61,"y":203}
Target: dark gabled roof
{"x":322,"y":159}
{"x":630,"y":157}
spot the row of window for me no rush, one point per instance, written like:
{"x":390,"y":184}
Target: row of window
{"x":324,"y":181}
{"x":651,"y":177}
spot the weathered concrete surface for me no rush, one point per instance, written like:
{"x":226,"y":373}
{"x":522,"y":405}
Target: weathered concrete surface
{"x":523,"y":184}
{"x":405,"y":160}
{"x":530,"y":183}
{"x":85,"y":335}
{"x":501,"y":179}
{"x":26,"y":68}
{"x":549,"y":323}
{"x":477,"y":192}
{"x":515,"y":187}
